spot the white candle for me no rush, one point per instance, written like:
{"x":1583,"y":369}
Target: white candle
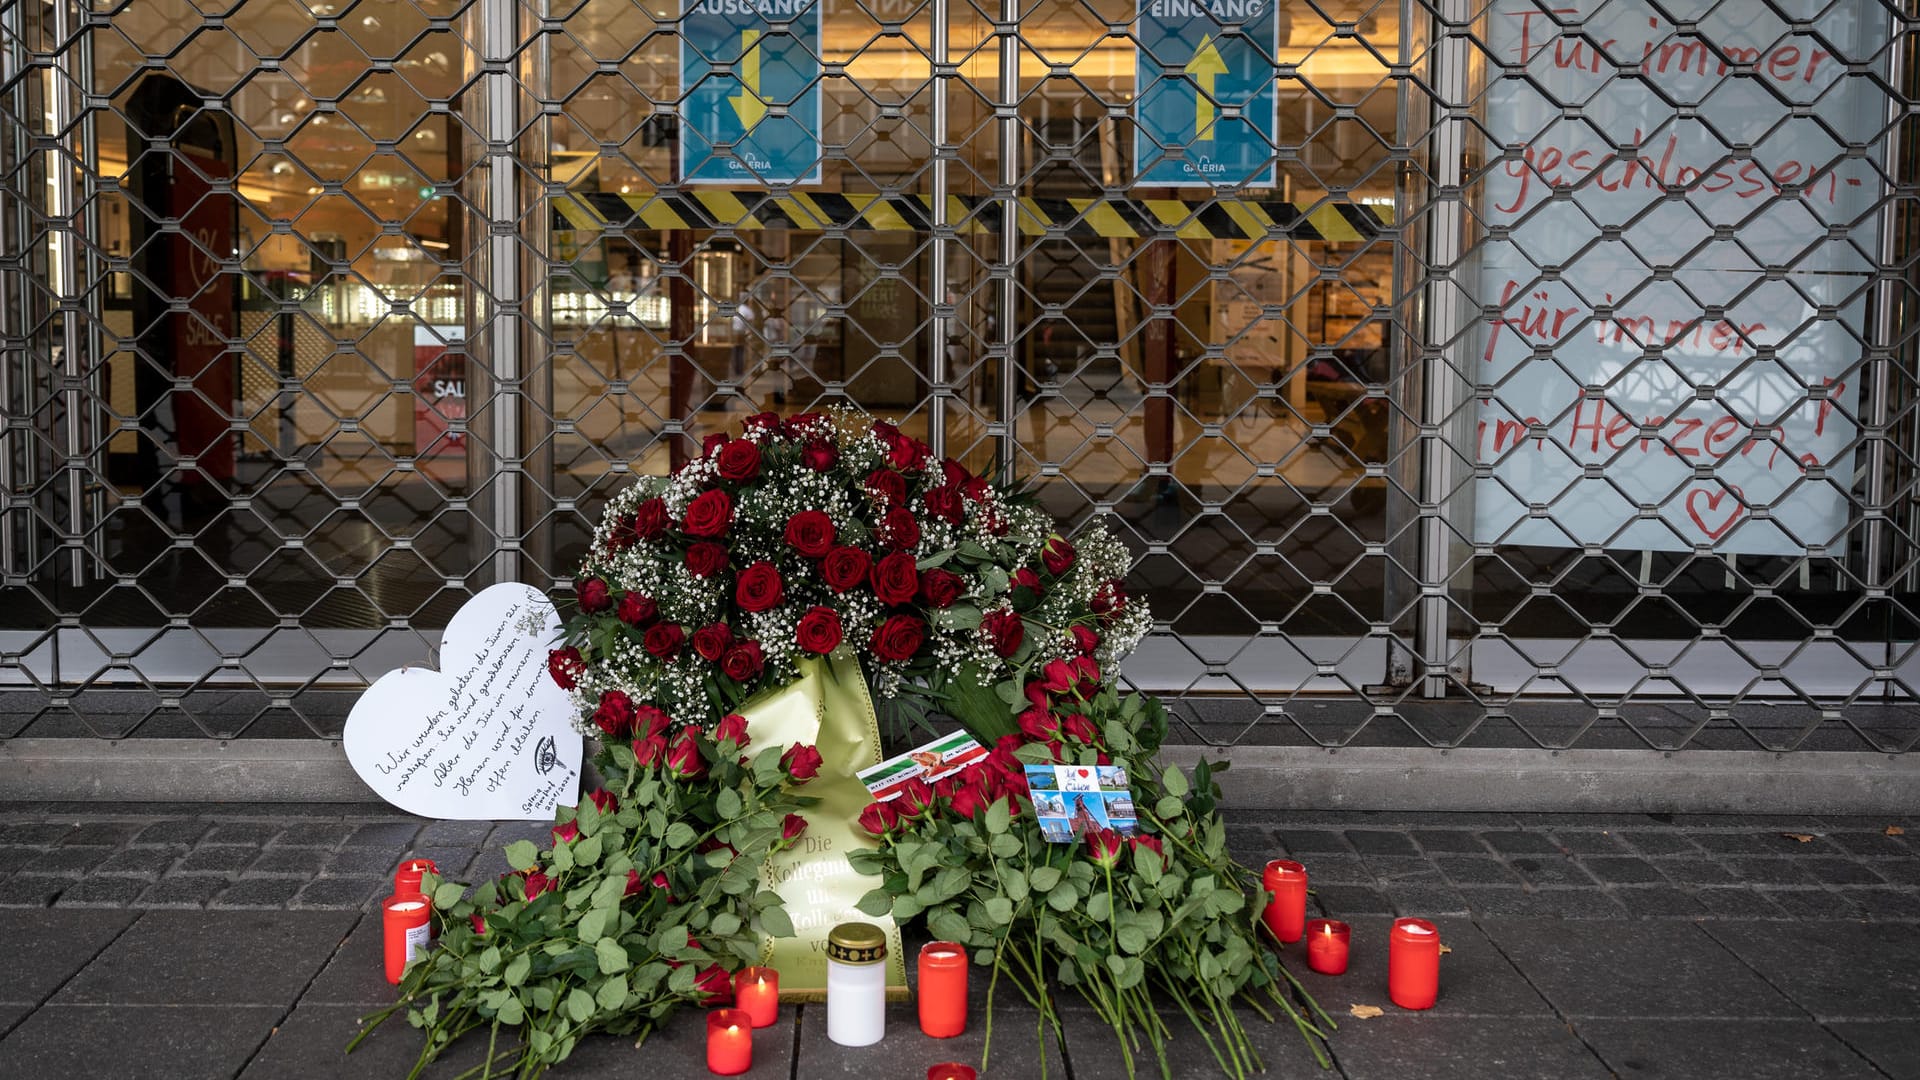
{"x":856,"y":984}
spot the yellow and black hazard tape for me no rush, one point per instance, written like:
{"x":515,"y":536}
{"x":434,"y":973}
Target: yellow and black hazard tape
{"x":837,"y":212}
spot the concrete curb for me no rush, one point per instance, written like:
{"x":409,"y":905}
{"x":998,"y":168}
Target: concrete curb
{"x":1564,"y":781}
{"x":1262,"y":777}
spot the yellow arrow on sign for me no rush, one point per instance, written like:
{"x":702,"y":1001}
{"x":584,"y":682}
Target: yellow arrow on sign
{"x":1205,"y":66}
{"x":747,"y":103}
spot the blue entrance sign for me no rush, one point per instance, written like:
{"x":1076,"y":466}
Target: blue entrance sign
{"x":750,"y":73}
{"x":1207,"y":112}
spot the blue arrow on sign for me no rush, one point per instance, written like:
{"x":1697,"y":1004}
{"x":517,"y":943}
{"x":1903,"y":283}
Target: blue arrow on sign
{"x":1207,"y":113}
{"x":750,"y":109}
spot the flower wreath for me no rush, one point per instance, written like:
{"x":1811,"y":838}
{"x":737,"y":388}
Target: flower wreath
{"x":831,"y":533}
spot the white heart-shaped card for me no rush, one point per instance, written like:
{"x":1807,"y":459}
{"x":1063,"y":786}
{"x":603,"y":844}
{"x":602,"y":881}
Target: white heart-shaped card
{"x":487,"y":736}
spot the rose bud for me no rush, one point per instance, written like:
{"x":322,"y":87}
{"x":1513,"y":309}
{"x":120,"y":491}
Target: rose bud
{"x":1058,"y":677}
{"x":1086,"y":639}
{"x":566,"y":832}
{"x":1088,"y":674}
{"x":1039,"y":725}
{"x":537,"y":882}
{"x":634,"y":884}
{"x":1037,"y":694}
{"x":649,"y":751}
{"x":731,"y":728}
{"x":604,"y":801}
{"x":744,"y":662}
{"x":792,"y":827}
{"x":802,"y":762}
{"x":479,"y":924}
{"x":637,"y":609}
{"x":715,"y":983}
{"x":683,"y":757}
{"x":614,"y":716}
{"x":971,"y":801}
{"x":594,"y":595}
{"x":1109,"y":598}
{"x":566,"y":666}
{"x":1104,"y":847}
{"x":1150,"y":843}
{"x":820,"y":455}
{"x":713,"y":443}
{"x":915,"y":799}
{"x":878,"y":818}
{"x":1057,"y":556}
{"x":661,"y":883}
{"x":1079,"y":727}
{"x":651,"y":720}
{"x":712,"y":641}
{"x":761,"y":421}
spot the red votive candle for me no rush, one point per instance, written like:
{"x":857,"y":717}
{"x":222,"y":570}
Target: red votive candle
{"x":951,"y":1070}
{"x":1413,"y":964}
{"x":406,"y":880}
{"x":756,"y":992}
{"x":405,"y":921}
{"x":1286,"y":913}
{"x":943,"y":991}
{"x":1328,"y":942}
{"x":729,"y":1042}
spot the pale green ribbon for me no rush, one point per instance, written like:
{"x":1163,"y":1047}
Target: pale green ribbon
{"x":828,"y":707}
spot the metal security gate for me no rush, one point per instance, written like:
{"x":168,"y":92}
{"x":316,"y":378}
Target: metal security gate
{"x":1543,"y":377}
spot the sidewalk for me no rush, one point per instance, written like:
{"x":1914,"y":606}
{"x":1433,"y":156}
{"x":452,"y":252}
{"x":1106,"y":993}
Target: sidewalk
{"x":234,"y":941}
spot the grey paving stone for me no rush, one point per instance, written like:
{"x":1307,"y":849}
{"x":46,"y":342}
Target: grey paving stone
{"x":1767,"y":871}
{"x":1476,"y":870}
{"x":1749,"y":1049}
{"x":14,"y":858}
{"x":1814,"y":903}
{"x":1762,"y":843}
{"x":1871,"y":843}
{"x":67,"y":861}
{"x":290,"y":861}
{"x":221,"y":859}
{"x":394,"y":834}
{"x":1449,"y":842}
{"x":356,"y":973}
{"x":1738,"y":902}
{"x":1621,"y":870}
{"x":1520,"y":843}
{"x":1557,"y":903}
{"x":1252,"y":845}
{"x":310,"y":834}
{"x":10,"y":1017}
{"x":1835,"y":970}
{"x":31,"y":890}
{"x":106,"y":892}
{"x":144,"y":862}
{"x":210,"y":958}
{"x":363,"y":862}
{"x":173,"y":831}
{"x":1401,"y":1045}
{"x":33,"y":833}
{"x":1549,"y":870}
{"x":1096,"y":1052}
{"x":192,"y":891}
{"x":1889,"y":1044}
{"x":45,"y":948}
{"x":146,"y":1042}
{"x":1337,"y":869}
{"x":1838,"y":871}
{"x":905,"y":1052}
{"x":101,"y":833}
{"x":1475,"y":978}
{"x":1588,"y":842}
{"x":506,"y":832}
{"x":1695,"y":870}
{"x":333,"y":892}
{"x":1381,"y":842}
{"x":311,"y":1045}
{"x":1902,"y":871}
{"x":1656,"y":970}
{"x":1660,"y":843}
{"x":1402,"y":868}
{"x":1343,"y":901}
{"x":465,"y":834}
{"x":1658,"y":902}
{"x":1300,"y":842}
{"x":1425,"y":900}
{"x":1887,"y":903}
{"x":248,"y":833}
{"x":262,"y":892}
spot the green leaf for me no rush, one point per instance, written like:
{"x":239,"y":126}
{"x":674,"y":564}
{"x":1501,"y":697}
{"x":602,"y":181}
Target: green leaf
{"x":562,"y":857}
{"x":724,"y":923}
{"x":949,"y":926}
{"x":447,"y":895}
{"x":523,"y":855}
{"x":998,"y":819}
{"x":1044,"y":878}
{"x":490,"y":959}
{"x":905,"y":907}
{"x":612,"y":994}
{"x":680,"y":834}
{"x":1131,"y":939}
{"x":517,"y":969}
{"x":876,"y":903}
{"x":512,"y":1012}
{"x":1174,"y":781}
{"x":1000,"y":910}
{"x":586,"y":851}
{"x":776,"y":922}
{"x":579,"y":1005}
{"x":593,"y":925}
{"x":611,"y":956}
{"x":1168,"y":807}
{"x":588,"y":817}
{"x":1100,"y":907}
{"x":1063,"y":898}
{"x":727,"y":804}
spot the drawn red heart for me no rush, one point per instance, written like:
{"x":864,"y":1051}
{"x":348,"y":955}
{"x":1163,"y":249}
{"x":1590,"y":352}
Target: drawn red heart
{"x":1083,"y":774}
{"x":1713,"y":501}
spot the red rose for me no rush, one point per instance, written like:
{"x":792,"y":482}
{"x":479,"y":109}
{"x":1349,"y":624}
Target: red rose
{"x":802,"y":762}
{"x":713,"y":640}
{"x":566,"y":666}
{"x":683,"y":757}
{"x":706,"y":559}
{"x":915,"y":798}
{"x":952,"y":473}
{"x":665,"y":639}
{"x":479,"y":924}
{"x":739,"y":460}
{"x":744,"y":662}
{"x":650,"y":518}
{"x":1086,"y":639}
{"x":1104,"y":847}
{"x":649,"y":751}
{"x":1081,"y":728}
{"x":792,"y":826}
{"x":940,"y":588}
{"x":1039,"y":725}
{"x":565,"y":833}
{"x":878,"y":818}
{"x":810,"y":532}
{"x":970,"y":800}
{"x":974,"y":489}
{"x":621,"y":537}
{"x":637,"y":610}
{"x":604,"y":801}
{"x":650,"y":720}
{"x":709,"y":514}
{"x":1004,"y":631}
{"x":634,"y":884}
{"x":614,"y":716}
{"x":895,"y":580}
{"x":844,"y":567}
{"x":944,"y":503}
{"x":819,"y":631}
{"x":907,"y":453}
{"x":899,"y":637}
{"x":537,"y":882}
{"x":1058,"y":555}
{"x":1146,"y":842}
{"x":713,"y":443}
{"x":899,"y":529}
{"x":731,"y":728}
{"x":820,"y":455}
{"x":715,"y":983}
{"x":886,"y":487}
{"x":761,"y":421}
{"x":594,"y":595}
{"x":1058,"y":677}
{"x":1109,"y":598}
{"x":759,"y":587}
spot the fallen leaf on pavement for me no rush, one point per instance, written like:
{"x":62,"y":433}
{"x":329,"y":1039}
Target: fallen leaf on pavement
{"x":1805,"y":838}
{"x":1445,"y":949}
{"x":1895,"y":830}
{"x":1367,"y":1012}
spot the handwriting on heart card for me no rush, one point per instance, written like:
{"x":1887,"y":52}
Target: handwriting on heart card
{"x":489,"y":735}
